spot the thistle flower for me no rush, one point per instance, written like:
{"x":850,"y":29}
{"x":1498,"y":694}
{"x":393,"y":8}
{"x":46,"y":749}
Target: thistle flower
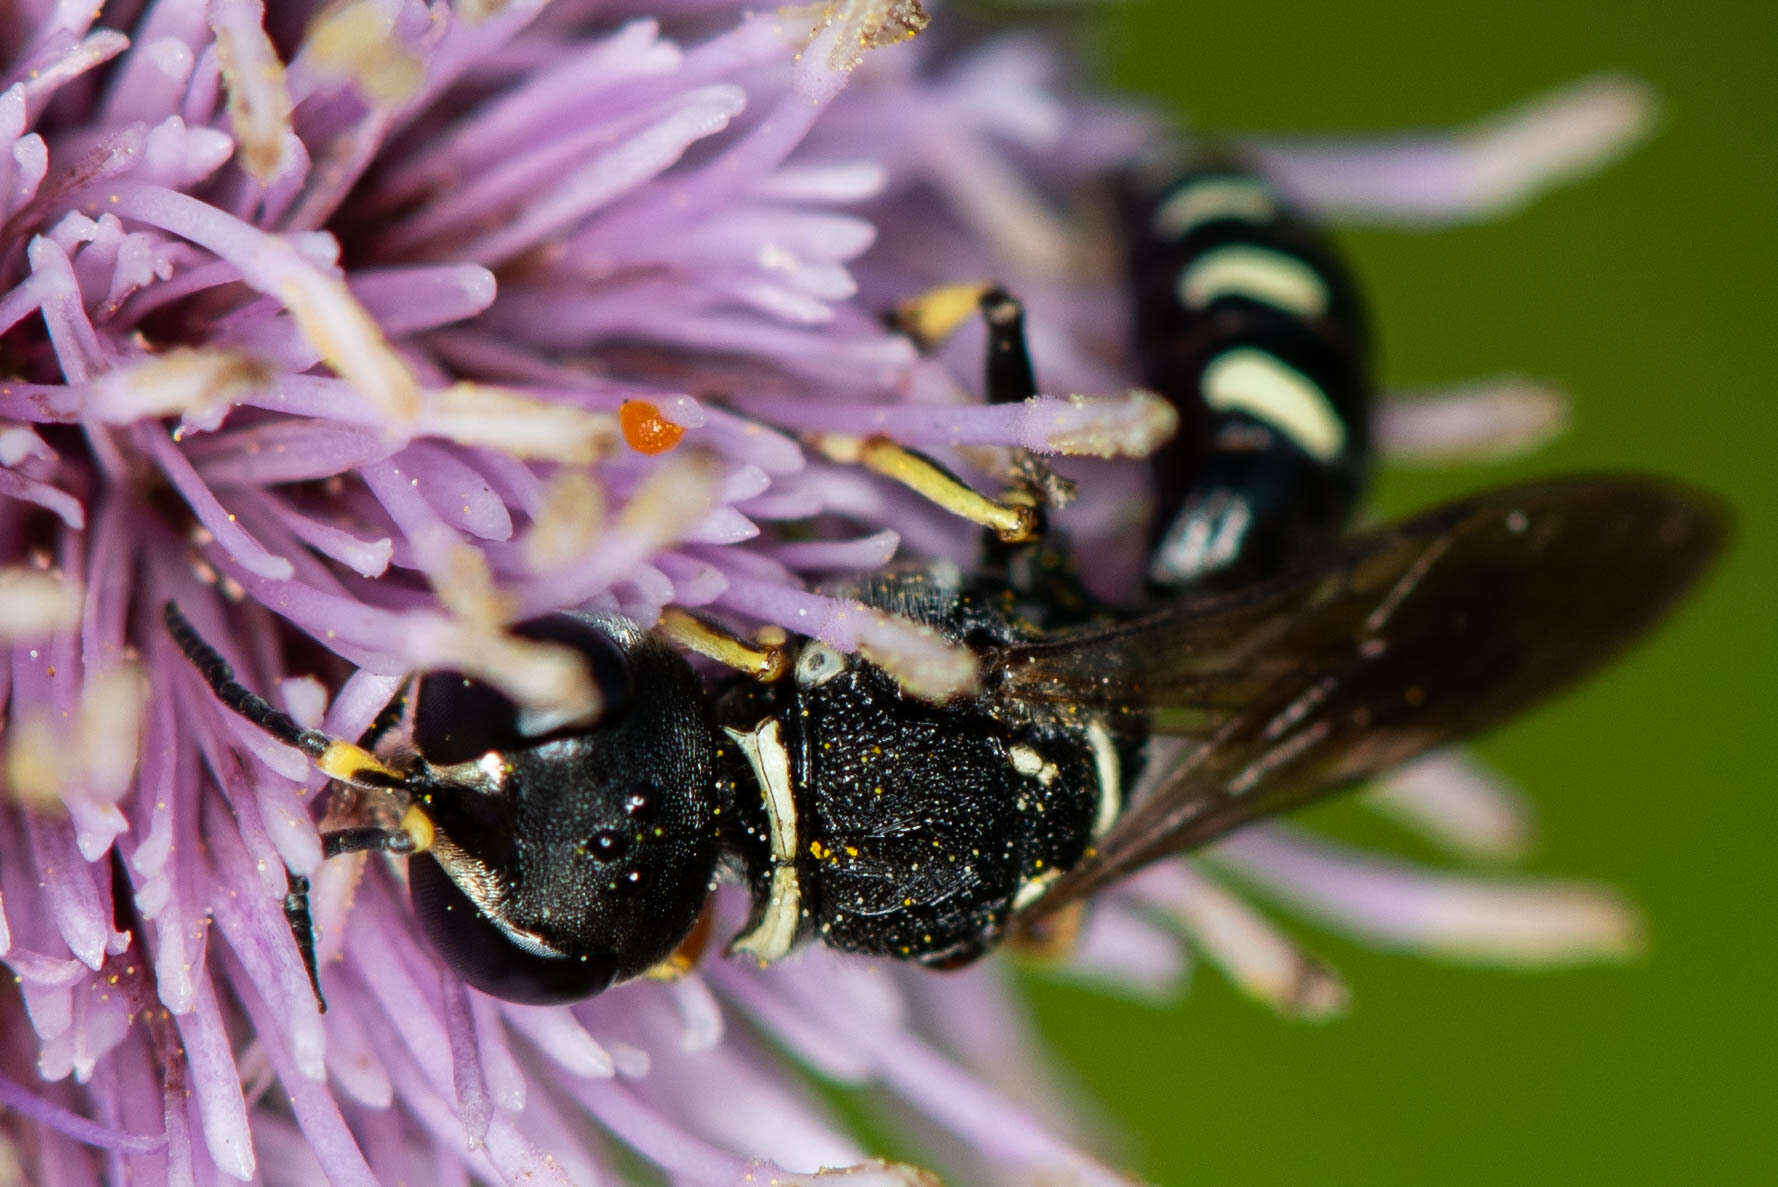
{"x":364,"y":329}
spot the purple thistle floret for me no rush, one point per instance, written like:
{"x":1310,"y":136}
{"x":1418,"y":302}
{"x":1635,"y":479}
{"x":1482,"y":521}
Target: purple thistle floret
{"x":315,"y":318}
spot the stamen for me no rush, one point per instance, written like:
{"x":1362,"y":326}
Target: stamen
{"x":108,"y":727}
{"x":1515,"y":922}
{"x":33,"y":768}
{"x":1132,"y":423}
{"x":489,"y":417}
{"x":1482,"y":420}
{"x":1455,"y":802}
{"x":854,"y":27}
{"x":1257,"y":956}
{"x":258,"y":99}
{"x":35,"y":605}
{"x":918,"y":658}
{"x":199,"y":384}
{"x":357,"y":40}
{"x":567,"y":523}
{"x":548,"y":680}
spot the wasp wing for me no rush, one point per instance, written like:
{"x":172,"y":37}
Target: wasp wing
{"x":1395,"y":642}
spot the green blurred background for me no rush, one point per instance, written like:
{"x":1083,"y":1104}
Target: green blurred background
{"x":1650,"y":292}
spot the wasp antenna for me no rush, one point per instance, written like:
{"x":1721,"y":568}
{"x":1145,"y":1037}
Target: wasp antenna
{"x":334,"y":757}
{"x":220,"y":676}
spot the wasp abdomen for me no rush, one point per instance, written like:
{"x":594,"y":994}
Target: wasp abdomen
{"x":1250,"y":325}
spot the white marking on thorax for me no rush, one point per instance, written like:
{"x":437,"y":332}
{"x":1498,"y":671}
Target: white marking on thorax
{"x":764,"y":749}
{"x":818,"y":664}
{"x":1031,"y":764}
{"x":1252,"y":381}
{"x":1211,"y":199}
{"x":1031,"y":889}
{"x":1240,"y":270}
{"x":1110,"y":770}
{"x":777,"y":929}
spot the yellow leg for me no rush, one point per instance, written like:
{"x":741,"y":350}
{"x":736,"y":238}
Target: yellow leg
{"x":764,"y":662}
{"x":1048,"y":937}
{"x":934,"y":315}
{"x":1014,"y":519}
{"x":684,"y":958}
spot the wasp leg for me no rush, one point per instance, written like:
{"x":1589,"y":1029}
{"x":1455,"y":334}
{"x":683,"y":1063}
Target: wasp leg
{"x":764,"y":661}
{"x":935,"y":314}
{"x":346,"y":840}
{"x":1011,"y":377}
{"x":1040,"y":564}
{"x":1013,"y":519}
{"x":302,"y":927}
{"x":296,"y":899}
{"x":1016,"y":516}
{"x":334,"y":757}
{"x":684,"y":958}
{"x":1050,"y":937}
{"x":932,"y":316}
{"x":368,"y":839}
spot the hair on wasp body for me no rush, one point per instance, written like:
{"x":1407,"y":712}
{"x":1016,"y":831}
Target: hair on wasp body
{"x":1297,"y":661}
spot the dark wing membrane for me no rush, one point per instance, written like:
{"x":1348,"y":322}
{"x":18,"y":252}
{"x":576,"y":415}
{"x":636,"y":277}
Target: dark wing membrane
{"x":1395,"y":642}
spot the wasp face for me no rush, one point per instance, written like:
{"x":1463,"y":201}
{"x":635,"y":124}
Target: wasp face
{"x":564,"y":862}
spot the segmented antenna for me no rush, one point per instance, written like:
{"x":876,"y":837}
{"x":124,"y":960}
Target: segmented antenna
{"x":336,"y":758}
{"x":221,"y":678}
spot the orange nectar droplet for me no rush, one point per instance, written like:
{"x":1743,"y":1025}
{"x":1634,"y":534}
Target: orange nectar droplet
{"x":645,"y":429}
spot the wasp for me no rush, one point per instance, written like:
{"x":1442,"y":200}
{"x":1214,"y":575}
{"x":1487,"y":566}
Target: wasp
{"x":1250,"y":323}
{"x":1295,"y":660}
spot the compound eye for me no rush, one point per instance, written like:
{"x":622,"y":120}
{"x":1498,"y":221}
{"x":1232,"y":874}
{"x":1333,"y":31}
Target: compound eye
{"x":457,"y":719}
{"x":605,"y":658}
{"x":489,"y":959}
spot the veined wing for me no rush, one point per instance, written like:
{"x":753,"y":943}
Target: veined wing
{"x":1395,"y":642}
